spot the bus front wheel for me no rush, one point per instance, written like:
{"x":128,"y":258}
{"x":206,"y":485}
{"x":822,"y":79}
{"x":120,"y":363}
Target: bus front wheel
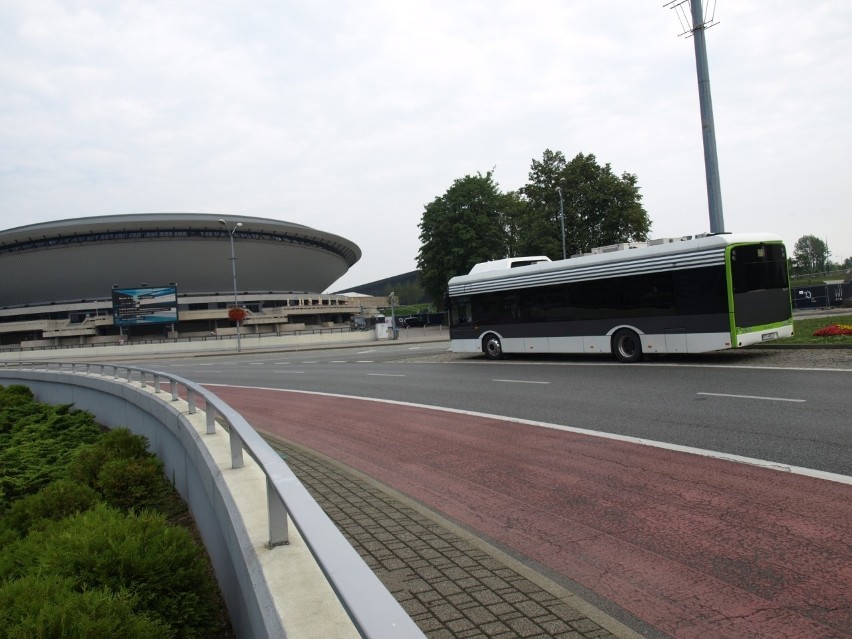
{"x":492,"y":347}
{"x":626,"y":346}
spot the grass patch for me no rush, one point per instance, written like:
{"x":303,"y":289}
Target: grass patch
{"x":803,"y":331}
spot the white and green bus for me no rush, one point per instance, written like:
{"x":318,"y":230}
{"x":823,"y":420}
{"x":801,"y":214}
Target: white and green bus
{"x":687,"y":295}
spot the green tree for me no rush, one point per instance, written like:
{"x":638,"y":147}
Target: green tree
{"x":463,"y":226}
{"x":811,"y":254}
{"x":600,"y":207}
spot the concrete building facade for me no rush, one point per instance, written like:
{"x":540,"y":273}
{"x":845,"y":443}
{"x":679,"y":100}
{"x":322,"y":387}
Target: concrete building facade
{"x":57,"y":278}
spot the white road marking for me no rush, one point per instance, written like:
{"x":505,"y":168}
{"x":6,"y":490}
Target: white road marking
{"x":365,"y":352}
{"x":257,"y":363}
{"x":384,"y":375}
{"x":311,"y":362}
{"x":517,"y":381}
{"x":337,"y":361}
{"x":365,"y":361}
{"x":768,"y":399}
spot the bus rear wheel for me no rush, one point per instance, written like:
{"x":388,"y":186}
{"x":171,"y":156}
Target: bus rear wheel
{"x":626,"y":346}
{"x":492,"y":347}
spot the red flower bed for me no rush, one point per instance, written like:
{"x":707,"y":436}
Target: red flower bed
{"x":834,"y":329}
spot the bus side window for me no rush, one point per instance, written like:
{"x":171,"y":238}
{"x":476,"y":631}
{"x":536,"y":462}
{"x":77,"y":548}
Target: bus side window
{"x":460,"y":311}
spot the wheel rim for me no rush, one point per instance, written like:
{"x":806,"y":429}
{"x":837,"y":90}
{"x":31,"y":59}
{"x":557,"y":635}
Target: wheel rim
{"x":492,"y":347}
{"x":627,"y":346}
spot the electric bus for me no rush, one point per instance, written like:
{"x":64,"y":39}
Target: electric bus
{"x":675,"y":295}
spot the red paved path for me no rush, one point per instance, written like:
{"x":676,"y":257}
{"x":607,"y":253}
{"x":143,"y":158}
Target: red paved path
{"x":694,"y":546}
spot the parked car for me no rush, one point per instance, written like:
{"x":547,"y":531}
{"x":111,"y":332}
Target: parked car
{"x":416,"y":320}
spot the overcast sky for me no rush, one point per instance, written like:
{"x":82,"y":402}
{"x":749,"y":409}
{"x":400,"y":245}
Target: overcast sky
{"x":349,"y":117}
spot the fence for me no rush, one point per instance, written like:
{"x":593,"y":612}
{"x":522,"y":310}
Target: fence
{"x":187,"y":340}
{"x":821,"y":296}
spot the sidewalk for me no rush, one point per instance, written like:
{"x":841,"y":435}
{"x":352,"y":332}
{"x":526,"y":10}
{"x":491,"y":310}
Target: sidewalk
{"x":451,"y":583}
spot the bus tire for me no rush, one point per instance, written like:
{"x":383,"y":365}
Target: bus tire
{"x":626,"y":346}
{"x":492,"y":347}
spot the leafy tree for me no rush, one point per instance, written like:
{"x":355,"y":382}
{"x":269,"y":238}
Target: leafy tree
{"x":460,"y":228}
{"x":811,"y":254}
{"x":474,"y":222}
{"x":600,"y":207}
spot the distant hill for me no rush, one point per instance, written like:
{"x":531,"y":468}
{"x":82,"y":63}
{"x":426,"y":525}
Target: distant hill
{"x":406,"y":286}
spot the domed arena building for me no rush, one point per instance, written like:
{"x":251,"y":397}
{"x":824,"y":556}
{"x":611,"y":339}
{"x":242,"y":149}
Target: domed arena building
{"x":84,"y":280}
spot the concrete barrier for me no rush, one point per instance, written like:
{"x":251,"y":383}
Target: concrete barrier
{"x":211,"y":345}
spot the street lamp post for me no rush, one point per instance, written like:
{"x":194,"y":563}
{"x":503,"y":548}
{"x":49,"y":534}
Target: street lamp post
{"x":562,"y":218}
{"x":231,"y":231}
{"x":393,"y":316}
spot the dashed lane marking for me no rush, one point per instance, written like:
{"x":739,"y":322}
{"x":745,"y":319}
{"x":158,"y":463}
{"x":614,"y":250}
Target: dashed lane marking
{"x":767,"y":399}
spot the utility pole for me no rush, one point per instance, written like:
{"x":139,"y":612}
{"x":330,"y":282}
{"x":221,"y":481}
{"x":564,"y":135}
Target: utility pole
{"x":562,"y":216}
{"x":695,"y":25}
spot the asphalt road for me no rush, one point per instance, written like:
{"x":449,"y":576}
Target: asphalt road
{"x":792,"y":416}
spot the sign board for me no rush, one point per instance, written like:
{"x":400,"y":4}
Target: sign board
{"x":149,"y":305}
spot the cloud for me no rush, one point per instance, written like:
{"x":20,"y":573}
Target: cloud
{"x":351,"y":117}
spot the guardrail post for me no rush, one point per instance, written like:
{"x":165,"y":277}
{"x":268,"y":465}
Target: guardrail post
{"x":211,"y":419}
{"x":142,"y":377}
{"x":279,"y":533}
{"x":156,"y":383}
{"x":173,"y":389}
{"x":236,"y":449}
{"x":190,"y":399}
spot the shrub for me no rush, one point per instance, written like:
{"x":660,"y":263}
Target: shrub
{"x":15,"y":401}
{"x":119,"y":443}
{"x":132,"y":483}
{"x":41,"y":606}
{"x":37,"y":443}
{"x":123,"y":444}
{"x":53,"y":502}
{"x":159,"y":565}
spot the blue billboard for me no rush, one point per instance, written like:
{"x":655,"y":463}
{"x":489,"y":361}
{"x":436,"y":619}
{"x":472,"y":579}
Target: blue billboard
{"x":149,"y":305}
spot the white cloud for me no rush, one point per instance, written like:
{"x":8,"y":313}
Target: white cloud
{"x":351,"y":117}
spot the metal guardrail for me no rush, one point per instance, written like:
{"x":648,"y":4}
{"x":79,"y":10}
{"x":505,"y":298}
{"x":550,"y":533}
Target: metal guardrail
{"x":370,"y":606}
{"x":172,"y":340}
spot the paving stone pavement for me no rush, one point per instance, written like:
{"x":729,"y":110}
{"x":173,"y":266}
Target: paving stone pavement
{"x":452,"y":585}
